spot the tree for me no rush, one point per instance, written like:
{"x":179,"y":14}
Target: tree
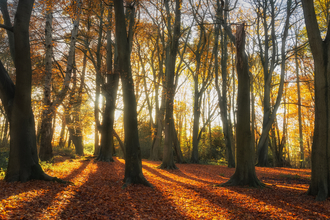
{"x":46,"y":152}
{"x":200,"y":77}
{"x":133,"y":162}
{"x":301,"y":138}
{"x":46,"y":131}
{"x":23,"y":164}
{"x":245,"y":171}
{"x":222,"y":96}
{"x":320,"y":48}
{"x":97,"y":65}
{"x":158,"y":76}
{"x":111,"y":88}
{"x":168,"y":161}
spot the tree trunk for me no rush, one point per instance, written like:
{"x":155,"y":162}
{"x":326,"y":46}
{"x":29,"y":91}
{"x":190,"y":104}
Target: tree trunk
{"x":154,"y":154}
{"x":23,"y":164}
{"x":98,"y":86}
{"x":222,"y":98}
{"x":62,"y":138}
{"x":77,"y":136}
{"x":177,"y":147}
{"x":301,"y":138}
{"x":7,"y":22}
{"x":133,"y":163}
{"x":194,"y":156}
{"x":245,"y":171}
{"x":223,"y":102}
{"x":46,"y":130}
{"x":111,"y":88}
{"x":168,"y":161}
{"x":320,"y":182}
{"x":46,"y":145}
{"x":269,"y":116}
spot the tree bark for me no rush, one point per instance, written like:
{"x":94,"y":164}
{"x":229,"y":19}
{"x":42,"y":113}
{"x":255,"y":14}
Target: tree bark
{"x":7,"y":22}
{"x":46,"y":130}
{"x":301,"y":138}
{"x":98,"y":82}
{"x":320,"y":183}
{"x":133,"y":163}
{"x":111,"y":88}
{"x":77,"y":136}
{"x":168,"y":161}
{"x":269,"y":116}
{"x":23,"y":164}
{"x":222,"y":96}
{"x":154,"y":154}
{"x":177,"y":148}
{"x":46,"y":152}
{"x":245,"y":171}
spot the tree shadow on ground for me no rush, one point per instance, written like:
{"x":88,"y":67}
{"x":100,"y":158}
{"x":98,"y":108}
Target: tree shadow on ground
{"x":292,"y":202}
{"x":102,"y":197}
{"x":43,"y":193}
{"x":222,"y":202}
{"x":287,"y":197}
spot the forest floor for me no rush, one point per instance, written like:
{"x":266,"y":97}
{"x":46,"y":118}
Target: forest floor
{"x":191,"y":192}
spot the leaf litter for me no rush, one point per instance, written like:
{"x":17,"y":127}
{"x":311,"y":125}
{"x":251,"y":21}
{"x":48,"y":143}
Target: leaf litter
{"x":191,"y":192}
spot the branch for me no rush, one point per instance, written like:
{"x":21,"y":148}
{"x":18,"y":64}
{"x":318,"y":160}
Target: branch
{"x":8,"y":28}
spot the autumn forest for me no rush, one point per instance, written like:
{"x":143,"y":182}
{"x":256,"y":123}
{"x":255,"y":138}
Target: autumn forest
{"x":164,"y":109}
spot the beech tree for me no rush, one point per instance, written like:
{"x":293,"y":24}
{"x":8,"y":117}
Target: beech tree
{"x":168,"y":161}
{"x":201,"y":77}
{"x":245,"y":170}
{"x":23,"y":164}
{"x":110,"y":90}
{"x":46,"y":152}
{"x":222,"y":14}
{"x":320,"y":182}
{"x":157,"y":63}
{"x":133,"y":162}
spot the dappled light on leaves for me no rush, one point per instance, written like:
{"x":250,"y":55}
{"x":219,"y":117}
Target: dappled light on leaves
{"x":191,"y":192}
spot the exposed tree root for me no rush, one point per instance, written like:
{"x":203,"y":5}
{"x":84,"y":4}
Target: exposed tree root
{"x":168,"y":166}
{"x":321,"y":194}
{"x":104,"y":158}
{"x":137,"y":180}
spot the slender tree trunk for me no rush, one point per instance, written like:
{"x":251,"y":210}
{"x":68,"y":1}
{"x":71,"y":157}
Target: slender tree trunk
{"x":177,"y":147}
{"x":62,"y":133}
{"x":46,"y":130}
{"x":194,"y":155}
{"x":111,"y":88}
{"x":98,"y":87}
{"x":168,"y":161}
{"x":222,"y":95}
{"x":223,"y":102}
{"x":269,"y":116}
{"x":77,"y":137}
{"x":7,"y":22}
{"x":301,"y":138}
{"x":46,"y":146}
{"x":154,"y":154}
